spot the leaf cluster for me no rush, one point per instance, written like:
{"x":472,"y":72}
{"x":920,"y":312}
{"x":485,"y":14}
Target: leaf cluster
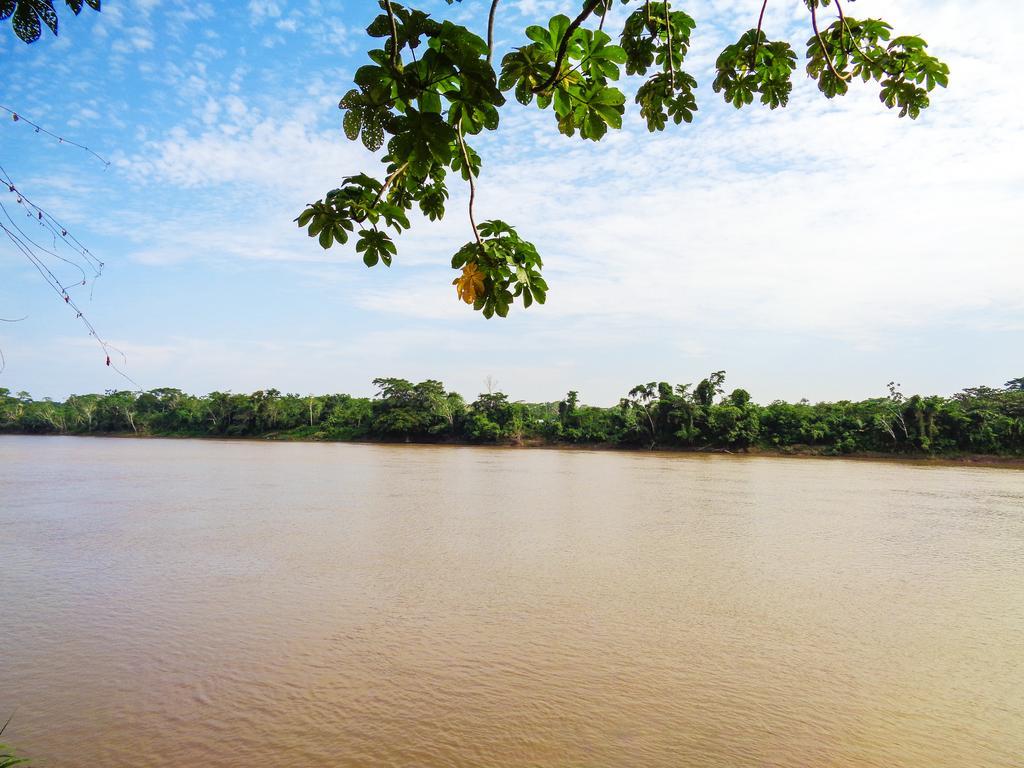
{"x":569,"y":69}
{"x":656,"y":35}
{"x":850,"y":49}
{"x":29,"y":16}
{"x":430,"y":86}
{"x":755,"y":65}
{"x":497,"y":269}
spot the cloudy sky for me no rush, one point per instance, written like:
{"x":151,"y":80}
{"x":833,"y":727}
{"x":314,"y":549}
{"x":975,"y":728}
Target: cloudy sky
{"x":818,"y":251}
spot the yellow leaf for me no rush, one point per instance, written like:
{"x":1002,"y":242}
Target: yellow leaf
{"x":470,"y":286}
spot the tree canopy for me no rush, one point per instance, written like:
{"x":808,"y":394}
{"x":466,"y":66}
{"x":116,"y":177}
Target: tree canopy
{"x":432,"y":85}
{"x":979,"y":420}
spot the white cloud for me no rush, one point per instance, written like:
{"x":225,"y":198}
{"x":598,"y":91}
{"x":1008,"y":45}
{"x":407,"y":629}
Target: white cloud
{"x":262,"y":9}
{"x":133,"y":39}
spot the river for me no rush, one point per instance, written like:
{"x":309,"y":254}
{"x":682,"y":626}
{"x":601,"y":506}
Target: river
{"x":181,"y":602}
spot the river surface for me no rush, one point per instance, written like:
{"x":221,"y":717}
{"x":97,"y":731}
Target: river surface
{"x":202,"y":603}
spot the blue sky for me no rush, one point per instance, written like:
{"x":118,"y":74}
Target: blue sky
{"x":819,"y":251}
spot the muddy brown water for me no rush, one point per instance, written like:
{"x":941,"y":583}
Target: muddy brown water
{"x":206,"y":603}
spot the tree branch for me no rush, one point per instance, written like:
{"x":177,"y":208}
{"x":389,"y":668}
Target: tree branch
{"x":394,"y":33}
{"x":564,"y":45}
{"x":472,"y":184}
{"x":824,"y":50}
{"x":671,"y":58}
{"x":853,"y":40}
{"x":757,"y":36}
{"x":490,"y":30}
{"x":16,"y":116}
{"x":387,"y":182}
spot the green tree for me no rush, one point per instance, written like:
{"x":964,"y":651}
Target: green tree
{"x":82,"y":410}
{"x":641,"y":406}
{"x":490,"y":417}
{"x":567,"y":410}
{"x":116,"y":412}
{"x":734,"y":423}
{"x":349,"y":418}
{"x":10,"y":409}
{"x":708,"y":389}
{"x":404,"y":409}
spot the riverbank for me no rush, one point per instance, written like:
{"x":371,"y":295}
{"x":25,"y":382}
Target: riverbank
{"x":793,"y":452}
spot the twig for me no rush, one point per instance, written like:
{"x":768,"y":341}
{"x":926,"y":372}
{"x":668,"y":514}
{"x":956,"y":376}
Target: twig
{"x":853,"y":39}
{"x":757,"y":37}
{"x":671,"y":57}
{"x":387,"y":182}
{"x":824,"y":50}
{"x":47,"y":251}
{"x":51,"y":223}
{"x":17,"y":116}
{"x":472,"y":184}
{"x":394,"y":33}
{"x":490,"y":30}
{"x":29,"y":248}
{"x":564,"y":45}
{"x":842,"y":29}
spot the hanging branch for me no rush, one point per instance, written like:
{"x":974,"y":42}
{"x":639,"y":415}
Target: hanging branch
{"x":824,"y":50}
{"x":853,"y":41}
{"x":394,"y":33}
{"x":757,"y":36}
{"x":18,"y":117}
{"x":563,"y":47}
{"x":671,"y":57}
{"x":387,"y":183}
{"x":48,"y":221}
{"x":24,"y":235}
{"x":490,"y":30}
{"x":51,"y":279}
{"x":472,"y":184}
{"x":36,"y":255}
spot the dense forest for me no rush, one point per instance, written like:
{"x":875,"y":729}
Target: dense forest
{"x":979,"y":420}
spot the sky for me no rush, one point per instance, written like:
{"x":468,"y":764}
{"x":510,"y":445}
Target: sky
{"x":816,"y":252}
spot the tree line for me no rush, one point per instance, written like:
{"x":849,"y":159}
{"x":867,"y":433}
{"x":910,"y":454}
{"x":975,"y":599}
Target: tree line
{"x":977,"y":420}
